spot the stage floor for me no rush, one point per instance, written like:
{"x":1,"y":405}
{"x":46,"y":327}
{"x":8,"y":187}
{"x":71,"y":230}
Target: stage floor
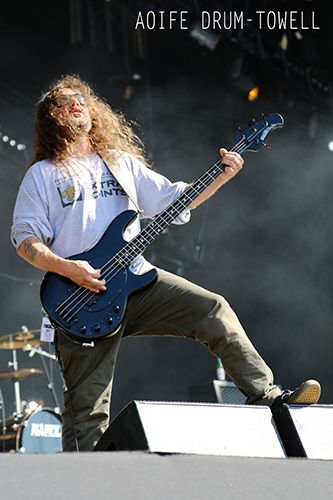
{"x":145,"y":476}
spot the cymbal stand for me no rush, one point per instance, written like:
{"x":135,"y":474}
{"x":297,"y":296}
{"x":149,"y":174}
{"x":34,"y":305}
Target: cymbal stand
{"x":3,"y":415}
{"x":49,"y":373}
{"x":18,"y":401}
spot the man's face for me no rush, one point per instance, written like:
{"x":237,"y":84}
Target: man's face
{"x":74,"y":108}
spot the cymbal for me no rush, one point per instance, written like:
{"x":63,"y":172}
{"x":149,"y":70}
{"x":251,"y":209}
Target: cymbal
{"x":5,"y":437}
{"x":18,"y":340}
{"x":21,"y":373}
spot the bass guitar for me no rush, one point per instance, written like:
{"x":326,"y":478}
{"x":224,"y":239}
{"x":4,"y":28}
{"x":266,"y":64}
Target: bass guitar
{"x":85,"y":316}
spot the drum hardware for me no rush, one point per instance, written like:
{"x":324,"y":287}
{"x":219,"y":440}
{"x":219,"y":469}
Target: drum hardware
{"x":31,"y":428}
{"x":3,"y":413}
{"x":37,"y":432}
{"x":27,"y":340}
{"x":40,"y":432}
{"x":13,"y":341}
{"x":38,"y":350}
{"x":17,"y":393}
{"x":7,"y":437}
{"x":19,"y":374}
{"x":31,"y":406}
{"x":18,"y":340}
{"x":9,"y":428}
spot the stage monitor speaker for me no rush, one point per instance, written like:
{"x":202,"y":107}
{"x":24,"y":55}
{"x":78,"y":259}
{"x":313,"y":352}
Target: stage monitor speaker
{"x":227,"y":393}
{"x":196,"y":428}
{"x":223,"y":392}
{"x":306,"y":431}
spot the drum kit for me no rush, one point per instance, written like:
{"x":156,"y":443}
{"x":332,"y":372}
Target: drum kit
{"x":31,"y":428}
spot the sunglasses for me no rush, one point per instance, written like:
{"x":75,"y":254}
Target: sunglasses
{"x":63,"y":100}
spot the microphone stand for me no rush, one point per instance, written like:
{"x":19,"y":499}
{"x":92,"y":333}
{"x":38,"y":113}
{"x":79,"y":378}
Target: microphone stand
{"x":49,"y":373}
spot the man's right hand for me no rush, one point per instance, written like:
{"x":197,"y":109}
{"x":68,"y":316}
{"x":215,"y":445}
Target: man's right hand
{"x":78,"y":271}
{"x":83,"y":274}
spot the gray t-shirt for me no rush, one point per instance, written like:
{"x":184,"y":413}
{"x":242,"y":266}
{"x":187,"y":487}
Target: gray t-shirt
{"x":70,"y":209}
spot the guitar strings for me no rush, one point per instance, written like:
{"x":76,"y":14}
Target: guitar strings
{"x":116,"y":266}
{"x":87,"y":294}
{"x":84,"y":295}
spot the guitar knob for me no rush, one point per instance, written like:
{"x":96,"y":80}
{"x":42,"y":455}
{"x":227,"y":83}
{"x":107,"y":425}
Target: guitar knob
{"x":97,"y":328}
{"x":109,"y":320}
{"x":116,"y":308}
{"x":83,"y":329}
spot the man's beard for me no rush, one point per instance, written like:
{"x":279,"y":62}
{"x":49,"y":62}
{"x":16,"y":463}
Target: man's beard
{"x":81,"y":125}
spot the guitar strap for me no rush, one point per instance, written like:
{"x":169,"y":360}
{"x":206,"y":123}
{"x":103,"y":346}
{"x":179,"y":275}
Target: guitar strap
{"x":126,"y":182}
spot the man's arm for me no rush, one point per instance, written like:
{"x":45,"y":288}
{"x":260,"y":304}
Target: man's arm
{"x":78,"y":271}
{"x":234,"y":162}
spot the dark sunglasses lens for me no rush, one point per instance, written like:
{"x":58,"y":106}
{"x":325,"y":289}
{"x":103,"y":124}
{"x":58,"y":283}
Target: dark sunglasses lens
{"x":80,"y":98}
{"x":63,"y":100}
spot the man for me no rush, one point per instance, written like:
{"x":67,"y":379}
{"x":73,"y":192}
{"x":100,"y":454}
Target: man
{"x":66,"y":201}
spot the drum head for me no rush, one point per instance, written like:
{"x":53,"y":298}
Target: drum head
{"x":40,"y":432}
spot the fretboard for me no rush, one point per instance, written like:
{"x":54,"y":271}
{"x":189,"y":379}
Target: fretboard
{"x":140,"y":243}
{"x":250,"y":139}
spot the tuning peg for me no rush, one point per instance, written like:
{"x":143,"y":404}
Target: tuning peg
{"x":239,"y":128}
{"x":262,"y":115}
{"x":252,"y":121}
{"x":268,"y":146}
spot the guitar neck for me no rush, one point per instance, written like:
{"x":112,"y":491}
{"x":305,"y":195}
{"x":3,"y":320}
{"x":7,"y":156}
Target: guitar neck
{"x":250,"y":139}
{"x":140,"y":243}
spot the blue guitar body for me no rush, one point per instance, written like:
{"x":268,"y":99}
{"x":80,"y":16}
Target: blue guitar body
{"x":102,"y":313}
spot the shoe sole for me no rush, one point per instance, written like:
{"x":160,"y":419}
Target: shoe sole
{"x":307,"y":393}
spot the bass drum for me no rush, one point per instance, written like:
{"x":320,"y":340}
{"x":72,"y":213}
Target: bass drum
{"x":40,"y":432}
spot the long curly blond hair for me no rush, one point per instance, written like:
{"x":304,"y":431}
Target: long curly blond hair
{"x":110,"y":133}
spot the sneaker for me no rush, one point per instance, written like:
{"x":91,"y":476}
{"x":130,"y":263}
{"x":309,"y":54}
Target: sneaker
{"x":307,"y":393}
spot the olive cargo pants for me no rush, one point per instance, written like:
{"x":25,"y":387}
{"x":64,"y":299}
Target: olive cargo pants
{"x":171,"y":306}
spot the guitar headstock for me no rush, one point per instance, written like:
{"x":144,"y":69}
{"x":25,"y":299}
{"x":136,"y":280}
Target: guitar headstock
{"x":252,"y":138}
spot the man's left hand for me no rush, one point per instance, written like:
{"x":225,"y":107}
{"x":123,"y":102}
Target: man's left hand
{"x":233,"y":163}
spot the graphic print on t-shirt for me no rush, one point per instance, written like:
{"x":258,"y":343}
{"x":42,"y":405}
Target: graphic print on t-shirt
{"x":72,"y":190}
{"x":67,"y":193}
